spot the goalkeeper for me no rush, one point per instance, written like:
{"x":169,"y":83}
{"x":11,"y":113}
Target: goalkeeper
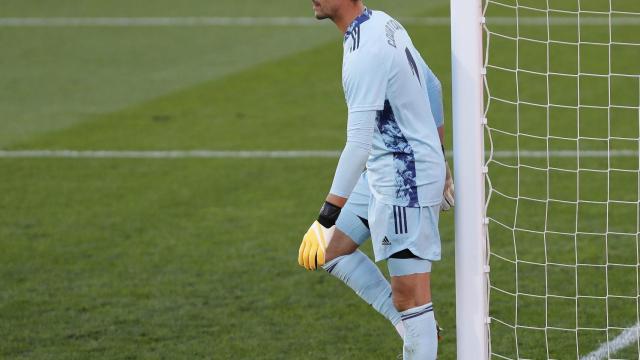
{"x":395,"y":128}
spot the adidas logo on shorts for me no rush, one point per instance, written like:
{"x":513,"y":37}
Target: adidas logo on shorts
{"x":386,"y":241}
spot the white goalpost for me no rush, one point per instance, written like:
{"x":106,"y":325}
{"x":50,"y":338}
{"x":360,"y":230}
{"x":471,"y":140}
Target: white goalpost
{"x":546,"y":137}
{"x":471,"y":266}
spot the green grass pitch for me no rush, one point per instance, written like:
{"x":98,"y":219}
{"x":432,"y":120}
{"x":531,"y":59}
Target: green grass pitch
{"x":197,"y":258}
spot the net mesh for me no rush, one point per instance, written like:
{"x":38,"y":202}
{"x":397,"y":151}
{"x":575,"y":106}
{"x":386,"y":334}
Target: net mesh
{"x":562,"y":102}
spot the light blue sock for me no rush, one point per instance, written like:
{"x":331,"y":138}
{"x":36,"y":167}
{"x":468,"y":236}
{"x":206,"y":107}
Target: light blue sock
{"x":421,"y":334}
{"x":363,"y":276}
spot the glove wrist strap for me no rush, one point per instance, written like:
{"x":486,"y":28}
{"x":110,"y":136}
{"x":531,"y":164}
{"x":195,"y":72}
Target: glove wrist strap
{"x":328,"y":215}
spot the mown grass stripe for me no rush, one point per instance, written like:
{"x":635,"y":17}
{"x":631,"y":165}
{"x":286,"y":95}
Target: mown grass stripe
{"x":286,"y":21}
{"x":258,"y":154}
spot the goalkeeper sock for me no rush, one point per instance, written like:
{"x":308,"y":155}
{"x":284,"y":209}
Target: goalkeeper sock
{"x":400,"y":329}
{"x":363,"y":276}
{"x":421,"y":334}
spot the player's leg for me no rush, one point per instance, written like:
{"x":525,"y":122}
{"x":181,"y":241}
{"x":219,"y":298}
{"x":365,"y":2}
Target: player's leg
{"x":361,"y":274}
{"x":341,"y":244}
{"x":411,"y":284}
{"x":409,"y":239}
{"x":352,"y":266}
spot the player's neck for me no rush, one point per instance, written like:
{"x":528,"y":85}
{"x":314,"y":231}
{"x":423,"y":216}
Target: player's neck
{"x":347,"y":15}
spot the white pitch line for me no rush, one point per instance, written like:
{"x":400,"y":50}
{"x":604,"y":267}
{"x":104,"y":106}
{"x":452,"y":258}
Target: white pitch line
{"x":203,"y":21}
{"x":565,"y":154}
{"x":157,"y":21}
{"x":626,"y":338}
{"x":261,"y":154}
{"x":170,"y":154}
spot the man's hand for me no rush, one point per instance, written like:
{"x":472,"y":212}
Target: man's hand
{"x":314,"y":244}
{"x":448,"y":193}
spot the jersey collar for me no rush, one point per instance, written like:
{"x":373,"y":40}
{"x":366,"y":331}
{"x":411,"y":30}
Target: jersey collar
{"x":366,"y":15}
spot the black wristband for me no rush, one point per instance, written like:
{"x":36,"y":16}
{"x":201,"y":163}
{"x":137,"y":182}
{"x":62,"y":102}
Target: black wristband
{"x":328,"y":214}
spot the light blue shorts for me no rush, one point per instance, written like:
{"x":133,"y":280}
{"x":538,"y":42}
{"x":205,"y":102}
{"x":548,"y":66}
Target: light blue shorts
{"x":392,"y":228}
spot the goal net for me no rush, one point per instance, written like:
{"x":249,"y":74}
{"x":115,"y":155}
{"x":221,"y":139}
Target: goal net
{"x":562,"y":107}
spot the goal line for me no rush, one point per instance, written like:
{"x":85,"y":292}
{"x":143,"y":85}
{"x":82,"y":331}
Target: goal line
{"x":625,"y":339}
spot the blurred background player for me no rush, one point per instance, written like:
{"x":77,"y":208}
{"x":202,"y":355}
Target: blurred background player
{"x":395,"y":129}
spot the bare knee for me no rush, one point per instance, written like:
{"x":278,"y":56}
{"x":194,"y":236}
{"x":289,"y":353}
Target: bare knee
{"x":410,"y":291}
{"x":340,"y":245}
{"x":403,"y":300}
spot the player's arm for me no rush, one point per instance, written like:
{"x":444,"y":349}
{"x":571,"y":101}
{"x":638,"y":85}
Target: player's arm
{"x":434,"y":94}
{"x":365,"y":78}
{"x":352,"y":160}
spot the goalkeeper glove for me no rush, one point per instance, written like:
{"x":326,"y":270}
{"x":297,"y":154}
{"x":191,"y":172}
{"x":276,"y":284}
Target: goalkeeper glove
{"x":448,"y":194}
{"x":311,"y":254}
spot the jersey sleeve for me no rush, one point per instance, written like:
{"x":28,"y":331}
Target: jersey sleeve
{"x":354,"y":157}
{"x":365,"y":79}
{"x":433,"y":93}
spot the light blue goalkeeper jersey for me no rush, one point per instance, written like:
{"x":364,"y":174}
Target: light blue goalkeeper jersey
{"x":382,"y":71}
